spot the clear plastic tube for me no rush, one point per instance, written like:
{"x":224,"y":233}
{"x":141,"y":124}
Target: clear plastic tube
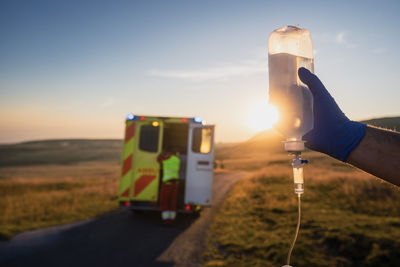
{"x":297,"y":231}
{"x":298,"y":189}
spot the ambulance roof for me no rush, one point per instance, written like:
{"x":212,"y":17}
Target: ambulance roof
{"x":132,"y":117}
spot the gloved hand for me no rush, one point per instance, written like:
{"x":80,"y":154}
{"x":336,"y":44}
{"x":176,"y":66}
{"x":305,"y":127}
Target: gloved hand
{"x":333,"y":133}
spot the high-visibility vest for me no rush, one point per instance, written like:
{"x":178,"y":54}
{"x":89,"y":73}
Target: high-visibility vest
{"x":171,"y":168}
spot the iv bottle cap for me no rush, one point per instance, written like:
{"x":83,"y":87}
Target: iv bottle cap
{"x":292,"y":146}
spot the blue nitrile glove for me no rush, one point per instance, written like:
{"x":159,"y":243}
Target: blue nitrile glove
{"x":333,"y":133}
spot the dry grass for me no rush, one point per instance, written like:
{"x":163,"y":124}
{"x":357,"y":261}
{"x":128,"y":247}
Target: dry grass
{"x":41,"y":196}
{"x":349,"y":217}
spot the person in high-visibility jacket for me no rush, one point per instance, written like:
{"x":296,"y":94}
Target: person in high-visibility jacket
{"x":169,"y":187}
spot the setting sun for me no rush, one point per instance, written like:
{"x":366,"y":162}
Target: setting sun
{"x":262,"y":116}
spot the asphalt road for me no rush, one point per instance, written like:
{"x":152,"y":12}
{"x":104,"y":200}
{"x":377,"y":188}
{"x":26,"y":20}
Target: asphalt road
{"x":120,"y":239}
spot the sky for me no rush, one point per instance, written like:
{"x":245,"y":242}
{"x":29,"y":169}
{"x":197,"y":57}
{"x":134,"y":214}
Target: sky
{"x":75,"y":69}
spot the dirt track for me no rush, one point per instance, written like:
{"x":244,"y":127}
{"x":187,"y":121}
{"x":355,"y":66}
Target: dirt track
{"x":120,"y":239}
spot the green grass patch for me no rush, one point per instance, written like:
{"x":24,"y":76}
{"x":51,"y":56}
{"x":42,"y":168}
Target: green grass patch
{"x":345,"y":222}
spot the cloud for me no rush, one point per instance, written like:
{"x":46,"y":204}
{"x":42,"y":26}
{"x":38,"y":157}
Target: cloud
{"x":341,"y":39}
{"x":224,"y":72}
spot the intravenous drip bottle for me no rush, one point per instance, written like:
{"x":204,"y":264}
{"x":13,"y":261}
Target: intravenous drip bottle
{"x":290,"y":48}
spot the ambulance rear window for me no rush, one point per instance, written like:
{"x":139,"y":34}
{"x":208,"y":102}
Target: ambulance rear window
{"x":149,"y":138}
{"x":201,"y":140}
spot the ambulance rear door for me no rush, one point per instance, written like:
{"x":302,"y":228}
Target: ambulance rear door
{"x":200,"y":165}
{"x":146,"y":175}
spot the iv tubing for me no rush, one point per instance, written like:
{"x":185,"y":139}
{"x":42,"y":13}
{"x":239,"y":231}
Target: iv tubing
{"x":297,"y":231}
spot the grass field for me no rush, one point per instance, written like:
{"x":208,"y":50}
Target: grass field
{"x":348,"y":217}
{"x":54,"y":182}
{"x":40,"y":196}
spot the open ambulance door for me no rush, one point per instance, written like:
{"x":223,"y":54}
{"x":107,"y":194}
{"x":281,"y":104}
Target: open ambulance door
{"x":200,"y":165}
{"x":146,"y":169}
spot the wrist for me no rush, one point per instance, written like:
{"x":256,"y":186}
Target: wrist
{"x":346,"y":139}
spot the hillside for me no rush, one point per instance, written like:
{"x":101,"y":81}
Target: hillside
{"x":262,"y":143}
{"x":59,"y":152}
{"x":392,"y":123}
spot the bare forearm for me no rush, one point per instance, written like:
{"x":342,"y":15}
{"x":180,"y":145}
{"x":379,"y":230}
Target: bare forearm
{"x":379,"y":154}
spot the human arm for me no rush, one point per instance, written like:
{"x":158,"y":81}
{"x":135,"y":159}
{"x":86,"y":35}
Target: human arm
{"x":373,"y":150}
{"x":379,"y":154}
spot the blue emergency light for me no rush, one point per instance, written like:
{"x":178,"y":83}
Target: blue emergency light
{"x":197,"y":119}
{"x":130,"y":116}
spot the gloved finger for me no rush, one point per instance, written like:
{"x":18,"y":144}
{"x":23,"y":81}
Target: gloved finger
{"x":312,"y":81}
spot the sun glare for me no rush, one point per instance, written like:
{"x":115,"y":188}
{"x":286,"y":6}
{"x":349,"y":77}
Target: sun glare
{"x":262,"y":116}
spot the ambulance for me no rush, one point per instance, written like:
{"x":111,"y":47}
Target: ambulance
{"x":146,"y":137}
